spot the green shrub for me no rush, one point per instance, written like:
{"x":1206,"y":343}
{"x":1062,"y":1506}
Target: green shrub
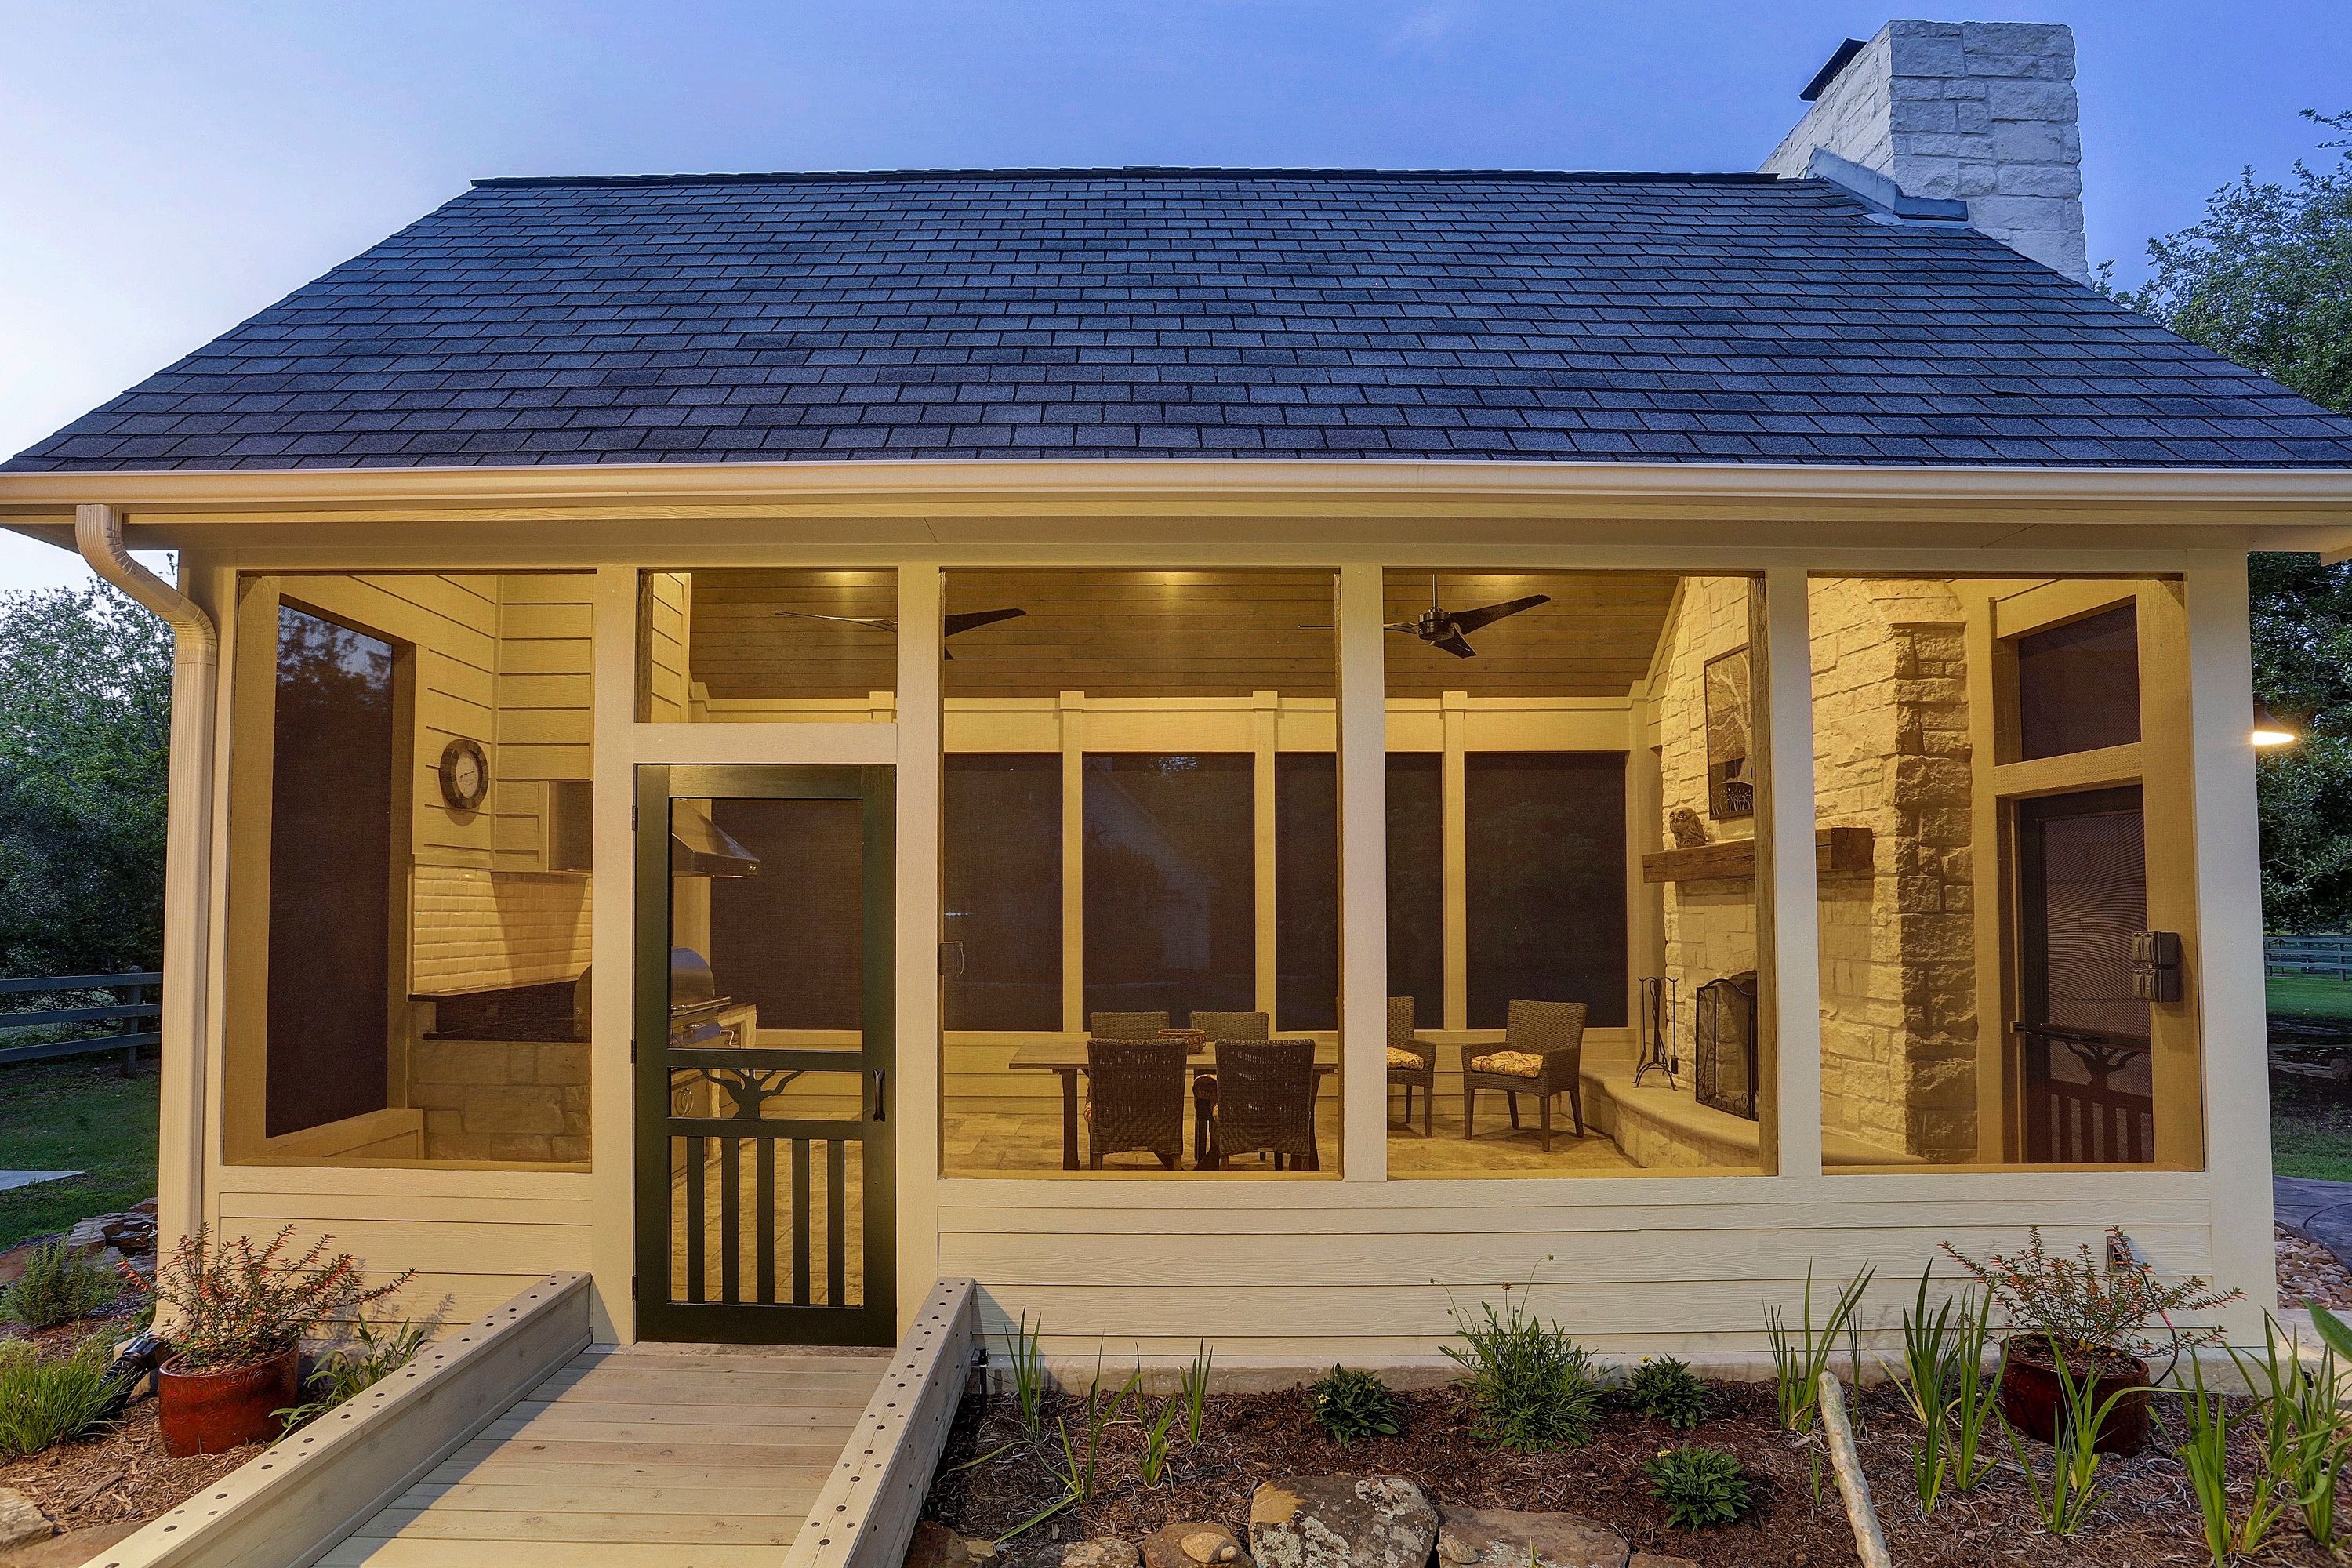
{"x":44,"y":1403}
{"x":1350,"y":1403}
{"x":1699,"y":1486}
{"x":1531,"y":1387}
{"x":378,"y":1353}
{"x":59,"y":1284}
{"x":1665,"y":1389}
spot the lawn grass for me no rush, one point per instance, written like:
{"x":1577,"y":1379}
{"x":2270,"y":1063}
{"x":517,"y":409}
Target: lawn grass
{"x":2311,"y":1129}
{"x":2309,"y":996}
{"x":75,"y":1116}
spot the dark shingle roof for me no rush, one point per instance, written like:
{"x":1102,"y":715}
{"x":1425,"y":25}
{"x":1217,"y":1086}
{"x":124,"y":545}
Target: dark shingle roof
{"x":1195,"y":313}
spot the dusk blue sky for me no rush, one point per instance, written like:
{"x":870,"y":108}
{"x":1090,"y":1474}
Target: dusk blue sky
{"x":167,"y":170}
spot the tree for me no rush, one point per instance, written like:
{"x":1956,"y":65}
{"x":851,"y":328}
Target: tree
{"x":2265,"y":278}
{"x":85,"y":726}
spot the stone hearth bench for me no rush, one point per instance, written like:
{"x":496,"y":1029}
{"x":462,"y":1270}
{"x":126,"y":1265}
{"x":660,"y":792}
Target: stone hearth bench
{"x":1668,"y":1129}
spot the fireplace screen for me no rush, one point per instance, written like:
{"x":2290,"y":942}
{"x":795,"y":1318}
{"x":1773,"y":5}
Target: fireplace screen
{"x":1725,"y":1029}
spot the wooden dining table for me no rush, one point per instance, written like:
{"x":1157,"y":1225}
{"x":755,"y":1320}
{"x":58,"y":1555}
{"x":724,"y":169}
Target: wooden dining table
{"x":1067,"y":1061}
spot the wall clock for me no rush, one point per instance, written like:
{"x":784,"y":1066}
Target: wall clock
{"x":465,"y":774}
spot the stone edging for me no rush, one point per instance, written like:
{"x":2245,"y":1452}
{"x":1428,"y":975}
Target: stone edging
{"x":285,"y":1507}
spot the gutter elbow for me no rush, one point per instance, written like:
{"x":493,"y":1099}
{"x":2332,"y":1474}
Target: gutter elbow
{"x":98,"y":534}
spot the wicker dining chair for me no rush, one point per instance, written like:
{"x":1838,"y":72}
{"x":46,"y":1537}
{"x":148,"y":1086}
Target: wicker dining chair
{"x":1265,"y":1103}
{"x":1412,"y":1064}
{"x":1542,"y":1054}
{"x":1135,"y":1099}
{"x":1217,"y":1026}
{"x":1127,"y":1026}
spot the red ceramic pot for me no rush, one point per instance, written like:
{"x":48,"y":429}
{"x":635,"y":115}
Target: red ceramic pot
{"x":212,"y":1412}
{"x":2032,"y":1399}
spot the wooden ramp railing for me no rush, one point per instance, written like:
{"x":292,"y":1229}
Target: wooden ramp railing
{"x":865,"y":1515}
{"x":303,"y":1495}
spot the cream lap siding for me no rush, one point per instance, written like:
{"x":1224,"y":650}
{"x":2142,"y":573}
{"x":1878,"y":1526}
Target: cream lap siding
{"x":476,"y":1238}
{"x":665,"y":599}
{"x":1299,"y":1277}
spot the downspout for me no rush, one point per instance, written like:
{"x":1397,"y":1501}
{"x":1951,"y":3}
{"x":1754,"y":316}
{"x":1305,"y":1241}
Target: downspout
{"x":187,"y":856}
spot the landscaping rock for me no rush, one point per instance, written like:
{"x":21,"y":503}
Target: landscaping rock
{"x":125,"y":1238}
{"x":20,"y":1522}
{"x":1652,"y":1560}
{"x":1109,"y":1551}
{"x":1191,"y":1544}
{"x":937,"y":1546}
{"x":1504,"y":1538}
{"x":1342,"y":1521}
{"x":73,"y":1549}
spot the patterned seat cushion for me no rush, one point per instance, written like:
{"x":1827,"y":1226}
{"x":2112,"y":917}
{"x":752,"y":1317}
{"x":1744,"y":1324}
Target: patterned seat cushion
{"x":1408,"y":1060}
{"x":1510,"y":1064}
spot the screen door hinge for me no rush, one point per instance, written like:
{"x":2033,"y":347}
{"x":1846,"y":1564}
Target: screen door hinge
{"x":633,"y":1050}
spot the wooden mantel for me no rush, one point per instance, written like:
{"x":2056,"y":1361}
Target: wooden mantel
{"x":1837,"y":852}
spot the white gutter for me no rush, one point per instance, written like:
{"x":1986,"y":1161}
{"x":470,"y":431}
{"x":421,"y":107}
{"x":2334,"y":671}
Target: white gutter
{"x":475,"y":490}
{"x":187,"y":860}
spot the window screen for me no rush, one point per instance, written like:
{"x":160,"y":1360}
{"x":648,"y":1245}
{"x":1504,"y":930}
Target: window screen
{"x":1002,"y":894}
{"x":2078,"y":685}
{"x":2083,"y":867}
{"x":1307,"y":890}
{"x":1417,"y":884}
{"x":1547,"y":882}
{"x":791,"y":938}
{"x":333,"y":763}
{"x":1170,"y":884}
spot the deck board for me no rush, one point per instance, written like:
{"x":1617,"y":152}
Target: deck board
{"x":689,"y":1457}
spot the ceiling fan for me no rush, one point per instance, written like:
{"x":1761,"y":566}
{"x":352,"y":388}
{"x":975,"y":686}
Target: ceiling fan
{"x":970,"y":620}
{"x":1449,"y":629}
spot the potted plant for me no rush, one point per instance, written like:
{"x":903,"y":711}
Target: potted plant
{"x":235,"y":1315}
{"x":2094,"y":1319}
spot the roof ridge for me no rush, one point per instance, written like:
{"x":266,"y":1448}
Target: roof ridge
{"x":1141,"y":171}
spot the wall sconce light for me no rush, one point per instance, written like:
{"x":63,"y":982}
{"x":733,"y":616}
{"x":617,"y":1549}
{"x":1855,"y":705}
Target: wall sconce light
{"x":2269,"y":732}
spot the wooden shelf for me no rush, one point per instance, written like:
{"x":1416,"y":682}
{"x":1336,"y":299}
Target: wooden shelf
{"x":1837,"y":852}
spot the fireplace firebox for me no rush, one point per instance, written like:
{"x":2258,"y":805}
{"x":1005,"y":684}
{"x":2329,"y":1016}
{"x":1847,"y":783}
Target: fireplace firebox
{"x":1725,"y":1058}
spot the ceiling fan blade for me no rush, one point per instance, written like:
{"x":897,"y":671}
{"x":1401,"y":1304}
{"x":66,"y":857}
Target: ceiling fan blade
{"x":1453,"y":643}
{"x":972,"y":620}
{"x":1487,"y":615}
{"x":871,"y":623}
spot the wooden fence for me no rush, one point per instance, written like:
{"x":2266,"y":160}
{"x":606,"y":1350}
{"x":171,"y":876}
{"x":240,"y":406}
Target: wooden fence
{"x":2327,"y":955}
{"x":126,"y":1025}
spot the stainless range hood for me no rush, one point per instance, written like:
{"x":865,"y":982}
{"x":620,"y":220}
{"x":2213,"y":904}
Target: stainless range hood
{"x":698,"y":848}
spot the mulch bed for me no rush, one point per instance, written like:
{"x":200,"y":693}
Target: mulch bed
{"x":122,"y":1475}
{"x":2149,"y":1519}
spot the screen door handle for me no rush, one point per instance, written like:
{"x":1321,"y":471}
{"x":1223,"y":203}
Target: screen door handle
{"x":877,"y":1106}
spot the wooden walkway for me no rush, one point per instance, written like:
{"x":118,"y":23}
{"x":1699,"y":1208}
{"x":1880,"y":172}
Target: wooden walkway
{"x":647,"y":1456}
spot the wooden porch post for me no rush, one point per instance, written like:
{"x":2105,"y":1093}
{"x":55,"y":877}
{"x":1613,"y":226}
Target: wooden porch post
{"x":1788,"y":914}
{"x":613,"y":925}
{"x":916,"y":1102}
{"x":2225,"y":970}
{"x":1363,"y":878}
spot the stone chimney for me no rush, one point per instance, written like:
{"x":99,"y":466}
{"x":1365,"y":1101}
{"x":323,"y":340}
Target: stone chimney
{"x":1982,"y":112}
